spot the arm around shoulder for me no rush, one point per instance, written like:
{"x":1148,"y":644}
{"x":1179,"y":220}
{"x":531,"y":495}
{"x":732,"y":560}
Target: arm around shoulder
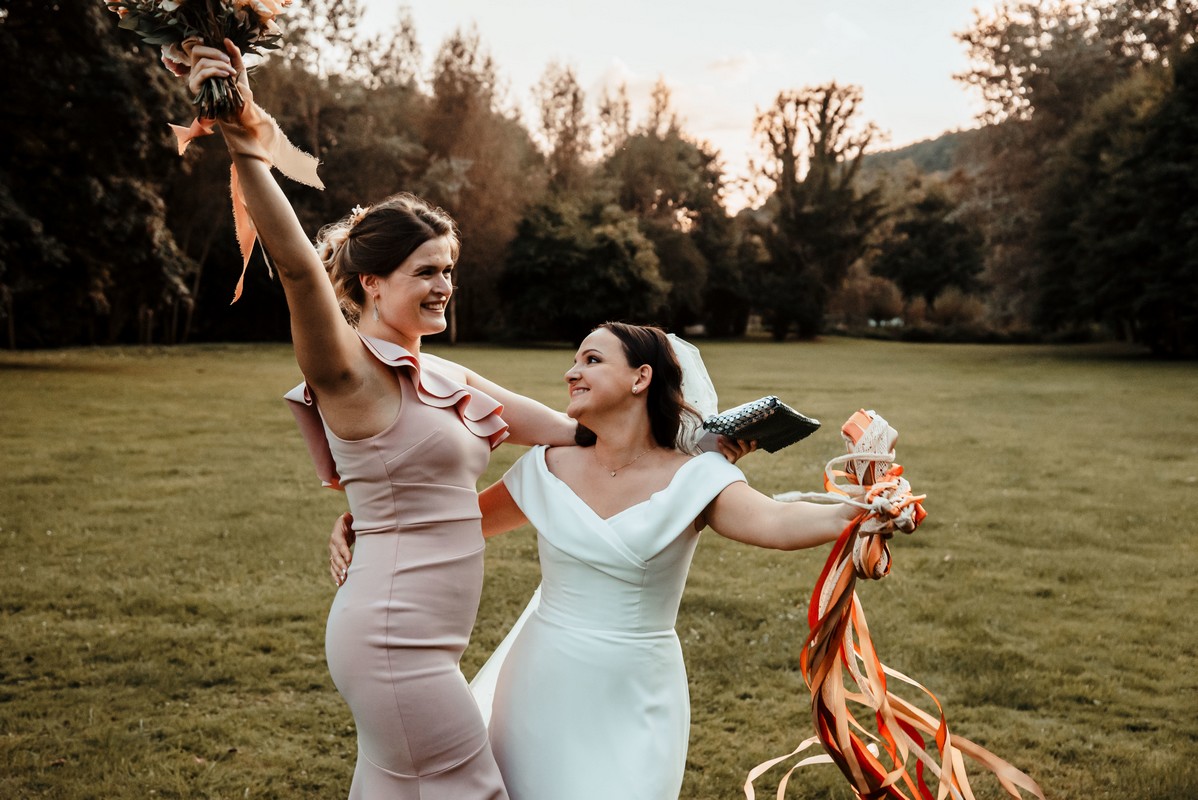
{"x":529,"y":422}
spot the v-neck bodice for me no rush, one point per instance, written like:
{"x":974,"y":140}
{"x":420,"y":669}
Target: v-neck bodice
{"x":595,"y":666}
{"x":625,"y":572}
{"x":549,"y":476}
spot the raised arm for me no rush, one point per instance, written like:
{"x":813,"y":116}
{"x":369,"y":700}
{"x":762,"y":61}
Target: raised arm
{"x":329,"y":353}
{"x":744,"y":514}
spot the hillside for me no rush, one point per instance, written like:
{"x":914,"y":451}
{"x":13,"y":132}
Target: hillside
{"x":945,"y":153}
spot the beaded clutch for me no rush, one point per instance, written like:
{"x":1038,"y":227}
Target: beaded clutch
{"x":768,"y":421}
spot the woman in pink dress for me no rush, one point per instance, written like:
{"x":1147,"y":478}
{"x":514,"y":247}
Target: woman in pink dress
{"x":406,"y":435}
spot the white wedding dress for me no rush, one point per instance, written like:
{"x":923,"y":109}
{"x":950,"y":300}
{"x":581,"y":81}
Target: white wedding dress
{"x":590,"y":697}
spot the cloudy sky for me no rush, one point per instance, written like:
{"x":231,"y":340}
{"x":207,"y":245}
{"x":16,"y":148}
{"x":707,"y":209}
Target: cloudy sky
{"x":723,"y":60}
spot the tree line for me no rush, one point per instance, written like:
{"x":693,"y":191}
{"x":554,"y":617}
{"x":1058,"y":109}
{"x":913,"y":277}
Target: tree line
{"x":1072,"y":212}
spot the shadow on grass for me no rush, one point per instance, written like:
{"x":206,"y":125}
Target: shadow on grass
{"x":1110,"y":351}
{"x":63,"y":367}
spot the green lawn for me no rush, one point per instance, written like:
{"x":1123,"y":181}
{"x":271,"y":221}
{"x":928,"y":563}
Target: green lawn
{"x":164,"y":587}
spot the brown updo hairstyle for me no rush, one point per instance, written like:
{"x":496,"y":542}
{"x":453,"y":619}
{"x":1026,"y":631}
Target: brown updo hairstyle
{"x":375,"y":241}
{"x":644,"y":344}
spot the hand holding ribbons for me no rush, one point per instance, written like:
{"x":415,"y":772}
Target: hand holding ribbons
{"x":877,"y":483}
{"x":867,"y":478}
{"x":900,"y":757}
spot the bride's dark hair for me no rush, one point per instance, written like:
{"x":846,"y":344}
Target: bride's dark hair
{"x":646,"y":344}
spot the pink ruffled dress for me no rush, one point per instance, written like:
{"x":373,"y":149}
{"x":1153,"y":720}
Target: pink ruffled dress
{"x":400,"y":622}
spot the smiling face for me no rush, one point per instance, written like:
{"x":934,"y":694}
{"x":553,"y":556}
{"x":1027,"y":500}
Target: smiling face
{"x":601,"y":379}
{"x":413,"y":298}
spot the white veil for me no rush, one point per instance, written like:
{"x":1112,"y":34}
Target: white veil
{"x":697,"y":390}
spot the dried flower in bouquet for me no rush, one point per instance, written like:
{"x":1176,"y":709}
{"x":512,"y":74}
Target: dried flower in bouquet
{"x":176,"y":26}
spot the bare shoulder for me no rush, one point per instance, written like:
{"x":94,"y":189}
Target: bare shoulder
{"x":676,"y":460}
{"x":564,"y":456}
{"x":566,"y":463}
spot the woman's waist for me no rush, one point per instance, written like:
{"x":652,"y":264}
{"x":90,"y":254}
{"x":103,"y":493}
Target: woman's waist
{"x":436,"y":565}
{"x":467,"y":530}
{"x":607,"y":627}
{"x":380,"y":507}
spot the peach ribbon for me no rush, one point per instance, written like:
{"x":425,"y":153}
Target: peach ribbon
{"x":255,"y":134}
{"x":839,"y":640}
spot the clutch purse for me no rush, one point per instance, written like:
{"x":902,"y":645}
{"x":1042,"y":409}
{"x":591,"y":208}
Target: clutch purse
{"x":768,"y":421}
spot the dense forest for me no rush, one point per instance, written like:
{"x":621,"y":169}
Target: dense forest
{"x":1070,"y":213}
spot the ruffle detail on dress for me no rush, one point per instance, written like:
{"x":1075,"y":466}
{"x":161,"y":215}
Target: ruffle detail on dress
{"x":479,"y":412}
{"x":311,"y":426}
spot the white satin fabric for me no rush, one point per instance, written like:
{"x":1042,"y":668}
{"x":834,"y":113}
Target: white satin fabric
{"x":590,"y":697}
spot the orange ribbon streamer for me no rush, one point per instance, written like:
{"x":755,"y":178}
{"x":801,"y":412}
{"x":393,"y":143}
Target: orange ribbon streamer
{"x":256,"y":134}
{"x":839,"y":641}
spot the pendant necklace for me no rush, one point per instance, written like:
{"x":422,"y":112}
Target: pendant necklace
{"x":617,"y":469}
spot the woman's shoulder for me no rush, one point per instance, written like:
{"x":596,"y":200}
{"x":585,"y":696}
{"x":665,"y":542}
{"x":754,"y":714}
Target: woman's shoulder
{"x":533,"y":467}
{"x":716,"y":466}
{"x":566,"y":454}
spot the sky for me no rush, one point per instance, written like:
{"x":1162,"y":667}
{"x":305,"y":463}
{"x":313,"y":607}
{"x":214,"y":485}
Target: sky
{"x":724,"y":60}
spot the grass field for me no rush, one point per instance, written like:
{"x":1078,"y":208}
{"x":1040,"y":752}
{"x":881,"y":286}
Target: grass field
{"x":163,"y":586}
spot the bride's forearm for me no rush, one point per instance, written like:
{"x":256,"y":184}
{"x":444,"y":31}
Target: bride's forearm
{"x":813,"y":524}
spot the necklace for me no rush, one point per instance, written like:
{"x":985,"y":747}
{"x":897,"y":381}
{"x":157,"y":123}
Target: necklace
{"x":617,"y":469}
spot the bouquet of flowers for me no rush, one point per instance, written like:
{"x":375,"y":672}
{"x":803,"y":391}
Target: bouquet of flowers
{"x":178,"y":25}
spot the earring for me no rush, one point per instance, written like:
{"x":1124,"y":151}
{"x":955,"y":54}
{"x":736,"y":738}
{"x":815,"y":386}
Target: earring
{"x":376,"y":308}
{"x":634,"y":389}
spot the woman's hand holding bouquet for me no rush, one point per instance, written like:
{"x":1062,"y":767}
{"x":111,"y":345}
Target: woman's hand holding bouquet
{"x":178,"y":26}
{"x":202,"y":41}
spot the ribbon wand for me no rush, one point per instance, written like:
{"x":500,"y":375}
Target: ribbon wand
{"x":896,"y":760}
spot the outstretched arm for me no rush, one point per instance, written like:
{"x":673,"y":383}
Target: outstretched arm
{"x":326,"y":348}
{"x":742,"y":513}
